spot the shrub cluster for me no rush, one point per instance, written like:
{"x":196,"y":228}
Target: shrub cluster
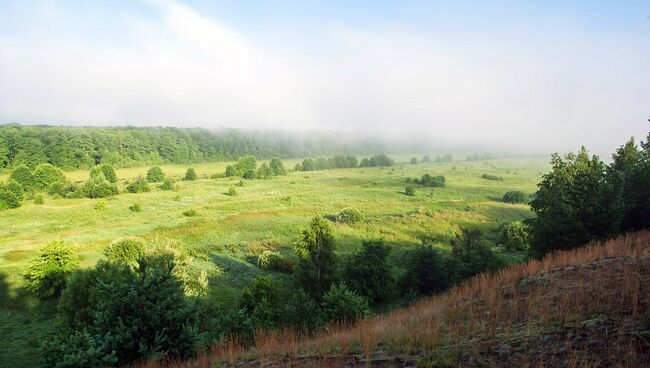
{"x":155,"y":175}
{"x":349,"y":215}
{"x":138,"y":185}
{"x":429,"y":181}
{"x":514,"y":196}
{"x":49,"y":272}
{"x":491,"y":177}
{"x":377,"y":160}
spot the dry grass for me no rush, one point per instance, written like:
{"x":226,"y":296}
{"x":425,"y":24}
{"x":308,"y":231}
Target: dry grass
{"x":582,"y":308}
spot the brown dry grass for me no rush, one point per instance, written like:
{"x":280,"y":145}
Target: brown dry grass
{"x":586,"y":307}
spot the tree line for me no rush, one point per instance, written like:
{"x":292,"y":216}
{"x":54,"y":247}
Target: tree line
{"x":84,"y":147}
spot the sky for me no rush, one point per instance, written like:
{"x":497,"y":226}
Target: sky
{"x":529,"y":76}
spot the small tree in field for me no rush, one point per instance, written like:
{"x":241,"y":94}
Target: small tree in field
{"x":277,"y":167}
{"x":414,"y":161}
{"x":190,"y":174}
{"x":48,"y":273}
{"x":23,"y":176}
{"x":316,"y":259}
{"x":368,"y":272}
{"x":109,"y":172}
{"x":46,"y":174}
{"x":409,"y":191}
{"x":514,"y":196}
{"x":341,"y":304}
{"x":349,"y":215}
{"x":155,"y":175}
{"x":138,"y":185}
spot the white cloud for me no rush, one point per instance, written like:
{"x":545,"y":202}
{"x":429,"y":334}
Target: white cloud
{"x":526,"y":91}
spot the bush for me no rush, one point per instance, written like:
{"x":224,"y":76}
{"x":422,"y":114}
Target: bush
{"x":409,"y":191}
{"x":264,"y":171}
{"x":109,"y":172}
{"x":124,"y":315}
{"x":231,"y":171}
{"x":65,"y":190}
{"x":15,"y":187}
{"x":316,"y":269}
{"x":297,"y":168}
{"x":342,"y":305}
{"x":47,"y":274}
{"x":277,"y":167}
{"x":155,"y":175}
{"x":38,"y":199}
{"x":100,"y":205}
{"x":98,"y":187}
{"x":249,"y":174}
{"x":126,"y":250}
{"x":514,"y":196}
{"x":263,"y":302}
{"x":268,"y":260}
{"x":135,"y":207}
{"x":426,"y":159}
{"x":167,"y":184}
{"x":8,"y":199}
{"x":138,"y":185}
{"x":427,"y":271}
{"x":414,"y":161}
{"x":368,"y":272}
{"x":349,"y":215}
{"x":190,"y":213}
{"x":473,"y":254}
{"x":190,"y":174}
{"x":431,"y":181}
{"x":231,"y":192}
{"x":23,"y":176}
{"x":491,"y":177}
{"x":514,"y":236}
{"x":46,"y":174}
{"x":301,"y":311}
{"x":377,"y":160}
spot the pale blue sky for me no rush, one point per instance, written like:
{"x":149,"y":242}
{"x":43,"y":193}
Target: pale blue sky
{"x":529,"y":75}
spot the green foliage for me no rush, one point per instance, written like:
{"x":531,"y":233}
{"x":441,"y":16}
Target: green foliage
{"x":14,"y":187}
{"x":249,"y":174}
{"x":263,"y":302}
{"x":78,"y":349}
{"x":574,"y":204}
{"x":46,"y":174}
{"x":431,"y":181}
{"x":155,"y":175}
{"x":23,"y":176}
{"x":65,"y":190}
{"x":128,"y":314}
{"x":341,"y":162}
{"x":190,"y":174}
{"x":414,"y":161}
{"x":301,"y":311}
{"x":297,"y":168}
{"x":231,"y":171}
{"x":264,"y":171}
{"x":8,"y":199}
{"x":426,"y":159}
{"x":341,"y":304}
{"x":100,"y":205}
{"x":167,"y":184}
{"x":277,"y":167}
{"x":427,"y":271}
{"x":109,"y":173}
{"x":350,"y":215}
{"x":409,"y":190}
{"x":47,"y":274}
{"x":514,"y":236}
{"x":135,"y":207}
{"x":98,"y":187}
{"x":190,"y":213}
{"x":368,"y":272}
{"x":514,"y":196}
{"x":472,"y":254}
{"x":316,"y":269}
{"x":231,"y":192}
{"x":377,"y":160}
{"x":138,"y":185}
{"x":268,"y":260}
{"x":308,"y":164}
{"x":491,"y":177}
{"x":38,"y":199}
{"x":444,"y":158}
{"x":127,"y":249}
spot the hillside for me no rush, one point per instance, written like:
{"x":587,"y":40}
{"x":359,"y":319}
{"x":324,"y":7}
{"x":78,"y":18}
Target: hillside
{"x":582,"y":308}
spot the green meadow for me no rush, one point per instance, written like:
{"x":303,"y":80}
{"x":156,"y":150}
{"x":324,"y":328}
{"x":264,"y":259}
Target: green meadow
{"x":226,"y":233}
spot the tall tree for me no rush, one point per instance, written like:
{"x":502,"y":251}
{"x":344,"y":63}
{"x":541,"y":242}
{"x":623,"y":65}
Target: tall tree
{"x":316,"y":269}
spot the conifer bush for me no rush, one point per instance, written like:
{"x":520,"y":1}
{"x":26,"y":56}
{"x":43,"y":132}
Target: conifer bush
{"x":49,"y":272}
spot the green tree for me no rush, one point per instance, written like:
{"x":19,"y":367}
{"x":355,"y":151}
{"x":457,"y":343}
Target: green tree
{"x":316,"y":269}
{"x":167,"y":184}
{"x":414,"y":160}
{"x":8,"y":198}
{"x":514,"y":236}
{"x":574,"y":204}
{"x":190,"y":174}
{"x":427,"y":271}
{"x":23,"y":176}
{"x":341,"y":304}
{"x":263,"y":301}
{"x":48,"y":274}
{"x":473,"y":254}
{"x":127,"y":249}
{"x":277,"y":167}
{"x":109,"y":173}
{"x":368,"y":273}
{"x":138,"y":185}
{"x":264,"y":171}
{"x":98,"y":187}
{"x":155,"y":175}
{"x":514,"y":196}
{"x":46,"y":174}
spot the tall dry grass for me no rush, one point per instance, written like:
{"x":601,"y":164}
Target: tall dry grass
{"x":522,"y":302}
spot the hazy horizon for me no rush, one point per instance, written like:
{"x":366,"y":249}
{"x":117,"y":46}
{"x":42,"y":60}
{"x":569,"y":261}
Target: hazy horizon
{"x":533,"y":78}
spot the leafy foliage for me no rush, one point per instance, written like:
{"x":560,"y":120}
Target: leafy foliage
{"x":277,"y":167}
{"x":431,"y":181}
{"x":514,"y":236}
{"x":368,"y":273}
{"x":8,"y":198}
{"x":263,"y":302}
{"x":109,"y":172}
{"x":167,"y":184}
{"x":127,"y":249}
{"x":98,"y":187}
{"x":129,"y":314}
{"x":377,"y":160}
{"x":349,"y":215}
{"x":514,"y":196}
{"x":426,"y":271}
{"x":343,"y":305}
{"x":23,"y":176}
{"x":316,"y":269}
{"x":46,"y":174}
{"x":190,"y":174}
{"x":155,"y":175}
{"x":38,"y":199}
{"x":472,"y":254}
{"x":491,"y":177}
{"x":48,"y":274}
{"x":135,"y":207}
{"x":138,"y":185}
{"x":409,"y":190}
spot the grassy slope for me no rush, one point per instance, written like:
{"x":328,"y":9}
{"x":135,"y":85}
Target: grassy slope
{"x":582,"y":308}
{"x":264,"y":214}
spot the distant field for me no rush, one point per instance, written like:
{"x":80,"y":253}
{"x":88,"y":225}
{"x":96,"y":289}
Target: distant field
{"x":227,"y":232}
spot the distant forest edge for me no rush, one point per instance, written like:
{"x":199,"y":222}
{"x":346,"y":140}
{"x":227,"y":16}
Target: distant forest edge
{"x":83,"y":147}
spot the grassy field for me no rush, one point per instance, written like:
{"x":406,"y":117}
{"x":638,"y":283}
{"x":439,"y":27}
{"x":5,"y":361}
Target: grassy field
{"x":227,"y":231}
